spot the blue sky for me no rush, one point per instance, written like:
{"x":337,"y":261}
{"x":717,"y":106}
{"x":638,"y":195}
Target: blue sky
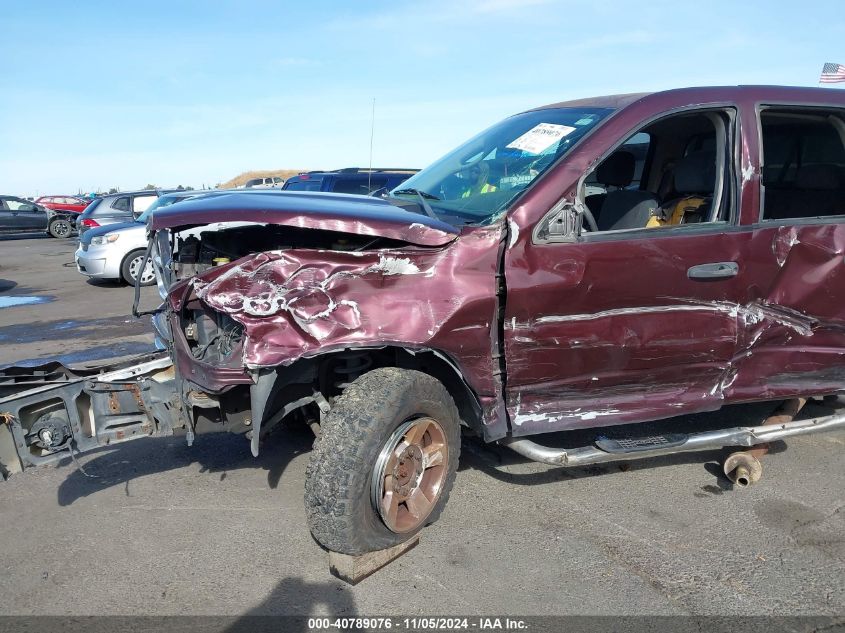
{"x":103,"y":94}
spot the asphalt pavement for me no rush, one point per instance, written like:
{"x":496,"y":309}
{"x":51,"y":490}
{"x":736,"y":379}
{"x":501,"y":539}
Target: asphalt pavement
{"x":156,"y":527}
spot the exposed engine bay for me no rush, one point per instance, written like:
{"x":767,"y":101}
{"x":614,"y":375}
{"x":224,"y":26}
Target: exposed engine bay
{"x":213,"y":336}
{"x":198,"y":250}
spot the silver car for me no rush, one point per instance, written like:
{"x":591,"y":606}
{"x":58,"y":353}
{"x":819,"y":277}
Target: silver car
{"x":116,"y":251}
{"x":118,"y":208}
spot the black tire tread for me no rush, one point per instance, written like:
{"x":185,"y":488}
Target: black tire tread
{"x":338,"y":474}
{"x":50,"y":228}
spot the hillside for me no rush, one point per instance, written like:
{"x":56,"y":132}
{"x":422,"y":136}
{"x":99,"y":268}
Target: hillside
{"x":247,"y":175}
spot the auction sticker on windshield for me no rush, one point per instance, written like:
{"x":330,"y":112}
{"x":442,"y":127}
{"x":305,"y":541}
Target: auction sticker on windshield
{"x":541,"y":137}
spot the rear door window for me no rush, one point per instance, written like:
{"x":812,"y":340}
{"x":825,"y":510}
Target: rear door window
{"x":120,"y":204}
{"x":803,"y":164}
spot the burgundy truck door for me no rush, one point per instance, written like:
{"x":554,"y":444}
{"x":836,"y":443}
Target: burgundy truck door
{"x":617,"y":326}
{"x":796,"y":252}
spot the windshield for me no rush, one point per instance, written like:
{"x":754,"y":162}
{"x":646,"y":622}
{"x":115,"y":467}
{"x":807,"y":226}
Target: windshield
{"x":163,"y":201}
{"x":480,"y":179}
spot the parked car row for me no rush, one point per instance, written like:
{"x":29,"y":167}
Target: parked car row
{"x":111,"y":228}
{"x":112,"y":233}
{"x":64,"y":216}
{"x":115,"y":251}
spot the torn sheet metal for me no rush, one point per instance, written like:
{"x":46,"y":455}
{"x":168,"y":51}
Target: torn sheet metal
{"x":298,"y":303}
{"x":608,"y":333}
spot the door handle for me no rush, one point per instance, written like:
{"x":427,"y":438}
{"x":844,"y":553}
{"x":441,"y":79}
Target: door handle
{"x":716,"y":270}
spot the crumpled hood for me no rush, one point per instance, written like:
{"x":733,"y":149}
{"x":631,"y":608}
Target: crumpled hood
{"x":359,"y":215}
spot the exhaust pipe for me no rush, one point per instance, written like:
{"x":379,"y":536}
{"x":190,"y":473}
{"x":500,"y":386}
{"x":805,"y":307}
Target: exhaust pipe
{"x":710,"y":440}
{"x":744,"y":468}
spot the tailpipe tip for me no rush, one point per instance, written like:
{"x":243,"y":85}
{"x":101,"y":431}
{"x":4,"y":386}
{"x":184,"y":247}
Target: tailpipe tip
{"x":743,"y":469}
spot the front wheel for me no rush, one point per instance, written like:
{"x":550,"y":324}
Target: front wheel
{"x":60,"y":228}
{"x":131,"y":268}
{"x":385,"y":462}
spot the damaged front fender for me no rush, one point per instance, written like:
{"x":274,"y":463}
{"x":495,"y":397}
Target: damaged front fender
{"x":299,"y":303}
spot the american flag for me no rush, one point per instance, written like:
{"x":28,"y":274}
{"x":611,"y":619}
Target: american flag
{"x":832,"y":73}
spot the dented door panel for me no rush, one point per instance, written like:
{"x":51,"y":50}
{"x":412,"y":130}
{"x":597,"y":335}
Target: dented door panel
{"x":615,"y":331}
{"x":799,"y":273}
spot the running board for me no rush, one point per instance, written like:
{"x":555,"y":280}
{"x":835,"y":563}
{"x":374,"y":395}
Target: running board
{"x":606,"y":450}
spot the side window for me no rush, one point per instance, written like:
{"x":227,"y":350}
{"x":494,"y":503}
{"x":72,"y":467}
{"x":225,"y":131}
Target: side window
{"x":358,"y":185}
{"x":311,"y":184}
{"x":20,"y":205}
{"x":142,"y":203}
{"x":637,"y":145}
{"x":121,"y":204}
{"x":803,"y":164}
{"x":672,"y":172}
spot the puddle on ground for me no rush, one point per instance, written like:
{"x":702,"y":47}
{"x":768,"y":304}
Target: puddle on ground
{"x":121,"y":350}
{"x":11,"y":302}
{"x":95,"y":330}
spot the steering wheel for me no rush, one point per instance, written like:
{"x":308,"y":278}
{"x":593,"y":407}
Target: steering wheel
{"x":591,"y":221}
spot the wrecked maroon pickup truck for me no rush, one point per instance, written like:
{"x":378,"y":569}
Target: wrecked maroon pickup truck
{"x":598,"y":262}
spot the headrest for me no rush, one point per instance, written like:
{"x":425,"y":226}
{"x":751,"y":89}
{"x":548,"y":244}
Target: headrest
{"x":822,"y":176}
{"x":617,"y":169}
{"x":696,"y":173}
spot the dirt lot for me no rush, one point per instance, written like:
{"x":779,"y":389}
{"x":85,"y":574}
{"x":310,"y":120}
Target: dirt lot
{"x":162,"y":528}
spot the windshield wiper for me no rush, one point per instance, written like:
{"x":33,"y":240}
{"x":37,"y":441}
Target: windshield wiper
{"x":422,"y":195}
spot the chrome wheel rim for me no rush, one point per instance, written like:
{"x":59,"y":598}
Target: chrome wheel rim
{"x":409,"y":474}
{"x":134,"y":266}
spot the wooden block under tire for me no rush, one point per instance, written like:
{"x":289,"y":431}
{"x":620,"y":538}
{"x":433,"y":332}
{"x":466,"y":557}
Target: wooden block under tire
{"x":353,"y":569}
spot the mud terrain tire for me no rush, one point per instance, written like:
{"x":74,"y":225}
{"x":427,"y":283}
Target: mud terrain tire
{"x":362,"y":421}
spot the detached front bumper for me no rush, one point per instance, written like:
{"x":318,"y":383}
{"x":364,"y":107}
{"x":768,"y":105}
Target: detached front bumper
{"x":50,"y":410}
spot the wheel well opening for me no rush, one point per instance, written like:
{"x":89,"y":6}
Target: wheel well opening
{"x":330,"y":373}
